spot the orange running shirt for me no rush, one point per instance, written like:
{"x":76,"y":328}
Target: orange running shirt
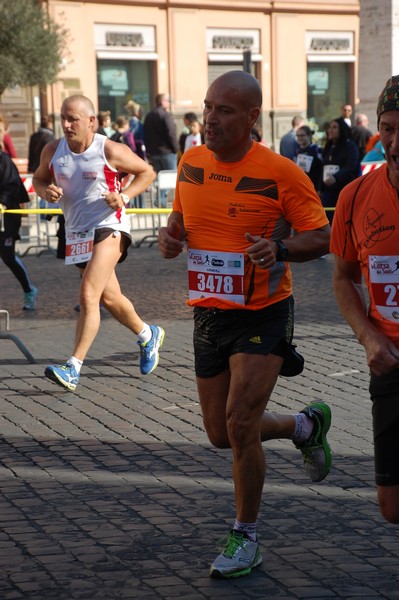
{"x":265,"y":195}
{"x":365,"y":230}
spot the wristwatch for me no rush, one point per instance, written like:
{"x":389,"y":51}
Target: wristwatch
{"x":125,"y":198}
{"x":282,"y":251}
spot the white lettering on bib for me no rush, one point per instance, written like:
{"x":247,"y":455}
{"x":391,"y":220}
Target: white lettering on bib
{"x":216,"y":275}
{"x":79,"y":246}
{"x":304,"y":161}
{"x":384,"y":279}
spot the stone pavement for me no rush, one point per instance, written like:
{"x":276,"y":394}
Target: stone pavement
{"x":114,"y":492}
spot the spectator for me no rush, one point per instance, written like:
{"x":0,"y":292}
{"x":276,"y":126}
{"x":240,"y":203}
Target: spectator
{"x":12,"y":195}
{"x":8,"y":146}
{"x":346,"y":112}
{"x":194,"y":138}
{"x":104,"y":123}
{"x":123,"y":133}
{"x":135,"y":115}
{"x":340,"y":163}
{"x":188,"y":118}
{"x":288,"y":143}
{"x":160,"y":139}
{"x":309,"y":156}
{"x":38,"y":140}
{"x":360,"y":134}
{"x":137,"y":129}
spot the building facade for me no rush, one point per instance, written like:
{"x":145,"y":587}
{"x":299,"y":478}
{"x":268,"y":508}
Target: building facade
{"x":304,"y":54}
{"x":378,"y":52}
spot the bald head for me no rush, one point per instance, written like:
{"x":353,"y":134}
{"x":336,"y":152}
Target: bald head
{"x":231,"y":109}
{"x":82,"y":103}
{"x":244,"y":86}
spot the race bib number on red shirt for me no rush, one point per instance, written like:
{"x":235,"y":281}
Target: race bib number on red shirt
{"x":79,"y":246}
{"x":384,"y":279}
{"x":216,"y":275}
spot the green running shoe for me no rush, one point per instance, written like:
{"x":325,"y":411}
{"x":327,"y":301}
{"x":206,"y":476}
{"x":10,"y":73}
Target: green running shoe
{"x":238,"y":558}
{"x":316,"y":451}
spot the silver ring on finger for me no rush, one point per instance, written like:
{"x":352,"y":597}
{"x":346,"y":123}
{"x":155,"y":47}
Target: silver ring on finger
{"x":262,"y":261}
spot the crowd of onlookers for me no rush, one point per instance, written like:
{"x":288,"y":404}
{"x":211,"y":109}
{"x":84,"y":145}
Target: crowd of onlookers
{"x":330,"y":165}
{"x":338,"y":161}
{"x":331,"y":160}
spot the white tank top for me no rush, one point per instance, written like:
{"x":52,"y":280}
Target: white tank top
{"x":84,"y":178}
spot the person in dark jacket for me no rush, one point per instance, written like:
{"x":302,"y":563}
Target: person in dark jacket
{"x":160,"y":138}
{"x":12,"y":195}
{"x":341,"y":163}
{"x":309,"y":156}
{"x":38,"y":140}
{"x":361,"y":134}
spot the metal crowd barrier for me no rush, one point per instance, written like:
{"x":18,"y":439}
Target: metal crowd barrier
{"x":6,"y":335}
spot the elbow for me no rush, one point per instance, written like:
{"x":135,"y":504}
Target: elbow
{"x":151,"y":175}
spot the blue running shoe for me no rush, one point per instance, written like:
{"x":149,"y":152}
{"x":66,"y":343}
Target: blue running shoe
{"x":149,"y":355}
{"x":30,"y":299}
{"x":65,"y":375}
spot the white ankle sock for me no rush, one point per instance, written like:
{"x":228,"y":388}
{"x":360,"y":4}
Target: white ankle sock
{"x":303,"y":428}
{"x":145,"y":335}
{"x":248,"y":528}
{"x":76,"y":363}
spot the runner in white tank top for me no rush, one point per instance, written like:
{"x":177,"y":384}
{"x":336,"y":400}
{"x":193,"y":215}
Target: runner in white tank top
{"x":84,"y":178}
{"x":80,"y":171}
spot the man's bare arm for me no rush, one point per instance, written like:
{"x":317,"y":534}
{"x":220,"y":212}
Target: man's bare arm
{"x":382,"y":354}
{"x":121,"y":157}
{"x":43,"y":179}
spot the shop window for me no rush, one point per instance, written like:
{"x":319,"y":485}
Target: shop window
{"x":122,"y":80}
{"x":328,"y":90}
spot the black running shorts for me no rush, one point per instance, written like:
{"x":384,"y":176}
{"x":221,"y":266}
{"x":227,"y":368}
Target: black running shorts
{"x":384,"y":393}
{"x":102,"y":234}
{"x":218,"y":334}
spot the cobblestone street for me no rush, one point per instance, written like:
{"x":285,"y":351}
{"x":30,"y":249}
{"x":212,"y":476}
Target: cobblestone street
{"x":114,"y":492}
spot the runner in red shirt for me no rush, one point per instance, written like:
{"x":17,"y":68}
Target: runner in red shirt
{"x":365,"y":241}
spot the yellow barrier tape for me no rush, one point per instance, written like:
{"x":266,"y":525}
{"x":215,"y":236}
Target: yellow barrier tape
{"x":58,"y":211}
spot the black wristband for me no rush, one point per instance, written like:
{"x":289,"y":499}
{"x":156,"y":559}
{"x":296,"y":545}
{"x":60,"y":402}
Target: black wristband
{"x":282,"y":251}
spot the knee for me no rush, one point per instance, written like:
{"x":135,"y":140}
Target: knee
{"x":240,"y":430}
{"x":217,"y":435}
{"x":88,"y":298}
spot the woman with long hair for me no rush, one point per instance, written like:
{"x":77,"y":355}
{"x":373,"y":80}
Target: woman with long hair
{"x":340,"y":163}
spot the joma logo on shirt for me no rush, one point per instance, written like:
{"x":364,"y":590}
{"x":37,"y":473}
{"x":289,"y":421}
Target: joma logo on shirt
{"x":221,"y":178}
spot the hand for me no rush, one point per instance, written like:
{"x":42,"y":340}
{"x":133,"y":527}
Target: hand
{"x":3,"y":206}
{"x":382,"y":354}
{"x":262,"y":251}
{"x":53,"y":193}
{"x":114,"y":200}
{"x":169,"y":240}
{"x":329,"y":181}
